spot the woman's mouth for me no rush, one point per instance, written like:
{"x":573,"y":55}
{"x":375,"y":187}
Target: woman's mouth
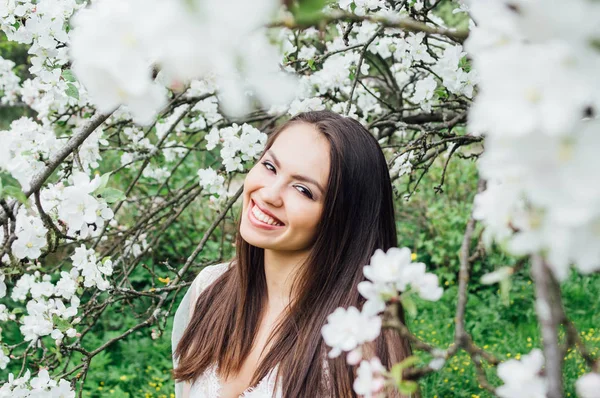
{"x":260,"y":219}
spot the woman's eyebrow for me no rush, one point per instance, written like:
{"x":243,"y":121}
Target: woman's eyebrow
{"x":297,"y":176}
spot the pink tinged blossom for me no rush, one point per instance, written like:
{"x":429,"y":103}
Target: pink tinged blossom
{"x":370,"y":381}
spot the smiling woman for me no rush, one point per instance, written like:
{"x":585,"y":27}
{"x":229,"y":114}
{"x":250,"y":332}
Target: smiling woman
{"x":287,"y":187}
{"x":316,"y":206}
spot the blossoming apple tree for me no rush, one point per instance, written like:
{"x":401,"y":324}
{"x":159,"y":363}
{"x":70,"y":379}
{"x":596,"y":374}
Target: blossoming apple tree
{"x":156,"y":83}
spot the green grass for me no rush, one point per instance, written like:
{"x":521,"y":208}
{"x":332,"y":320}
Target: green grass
{"x":507,"y":331}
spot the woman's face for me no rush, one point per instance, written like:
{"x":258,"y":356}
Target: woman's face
{"x":284,"y":192}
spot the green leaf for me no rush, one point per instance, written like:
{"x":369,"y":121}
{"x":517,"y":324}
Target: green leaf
{"x":409,"y":361}
{"x":112,"y":195}
{"x":407,"y":386}
{"x":308,"y":11}
{"x":398,"y":368}
{"x":68,"y":75}
{"x":72,"y":91}
{"x":409,"y":305}
{"x":9,"y":186}
{"x":103,"y":182}
{"x":505,"y":286}
{"x":60,"y":323}
{"x":16,"y":193}
{"x":311,"y":64}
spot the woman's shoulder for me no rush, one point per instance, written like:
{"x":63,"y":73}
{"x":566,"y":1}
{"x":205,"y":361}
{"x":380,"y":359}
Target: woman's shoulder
{"x":208,"y":275}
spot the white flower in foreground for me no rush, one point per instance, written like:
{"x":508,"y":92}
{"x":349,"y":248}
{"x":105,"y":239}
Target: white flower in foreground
{"x":57,"y":335}
{"x":40,"y":386}
{"x":71,"y":332}
{"x":114,"y":63}
{"x":347,"y":329}
{"x":42,"y":381}
{"x":424,"y":283}
{"x":522,"y":377}
{"x":392,"y":272}
{"x":369,"y":381}
{"x":31,"y":237}
{"x":80,"y":207}
{"x":37,"y":322}
{"x":588,"y":386}
{"x":388,"y":267}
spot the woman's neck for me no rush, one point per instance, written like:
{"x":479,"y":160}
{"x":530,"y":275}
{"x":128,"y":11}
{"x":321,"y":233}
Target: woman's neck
{"x":280,"y":269}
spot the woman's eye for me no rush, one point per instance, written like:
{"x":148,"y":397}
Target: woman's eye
{"x":269,"y":166}
{"x":305,"y":191}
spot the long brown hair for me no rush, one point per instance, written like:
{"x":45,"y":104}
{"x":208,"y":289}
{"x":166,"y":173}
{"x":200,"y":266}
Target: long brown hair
{"x":357,"y":219}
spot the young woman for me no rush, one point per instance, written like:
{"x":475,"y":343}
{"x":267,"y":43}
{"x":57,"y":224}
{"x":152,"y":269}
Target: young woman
{"x":315,"y":207}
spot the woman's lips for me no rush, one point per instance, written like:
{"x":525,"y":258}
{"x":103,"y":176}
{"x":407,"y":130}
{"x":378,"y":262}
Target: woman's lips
{"x":256,"y":222}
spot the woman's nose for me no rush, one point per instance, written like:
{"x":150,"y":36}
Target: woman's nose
{"x":272,"y":194}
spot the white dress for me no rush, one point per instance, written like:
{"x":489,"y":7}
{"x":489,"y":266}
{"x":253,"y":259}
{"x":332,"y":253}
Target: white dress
{"x":208,"y":383}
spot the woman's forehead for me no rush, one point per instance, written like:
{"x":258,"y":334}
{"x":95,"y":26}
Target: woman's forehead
{"x":302,"y":149}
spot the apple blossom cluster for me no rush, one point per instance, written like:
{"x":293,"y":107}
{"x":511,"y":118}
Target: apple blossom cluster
{"x":43,"y":26}
{"x":135,"y":247}
{"x":9,"y":83}
{"x":46,"y":313}
{"x":239,"y":144}
{"x":206,"y":111}
{"x":402,"y":164}
{"x":542,"y":133}
{"x":78,"y":205}
{"x":185,"y":40}
{"x":39,"y":320}
{"x":346,"y":330}
{"x":392,"y":272}
{"x":212,"y":182}
{"x":40,"y":386}
{"x":93,"y":271}
{"x":24,"y":147}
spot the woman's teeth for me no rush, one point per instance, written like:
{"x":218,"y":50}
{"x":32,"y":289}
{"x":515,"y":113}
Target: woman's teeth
{"x":263,"y":217}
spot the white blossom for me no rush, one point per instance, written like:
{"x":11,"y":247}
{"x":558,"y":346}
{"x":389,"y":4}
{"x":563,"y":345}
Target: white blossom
{"x":424,"y":91}
{"x":309,"y":104}
{"x":346,"y":329}
{"x":522,"y":377}
{"x":393,"y":271}
{"x":588,"y":385}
